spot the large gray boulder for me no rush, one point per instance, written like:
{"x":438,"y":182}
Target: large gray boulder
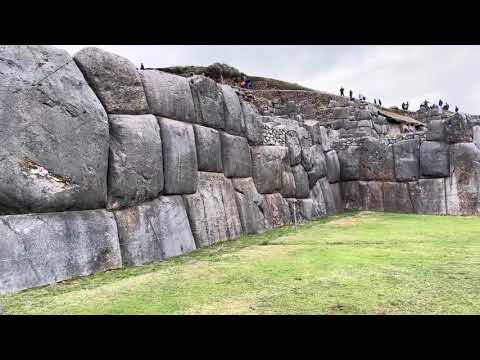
{"x":407,"y":164}
{"x":302,"y":187}
{"x":41,"y":249}
{"x":168,"y":95}
{"x":328,"y":196}
{"x":458,"y":129}
{"x":114,"y":79}
{"x":209,"y":149}
{"x":212,"y":210}
{"x":349,"y":160}
{"x":236,"y":157}
{"x":209,"y":102}
{"x":248,"y":204}
{"x":333,"y":166}
{"x":337,"y":196}
{"x":351,"y":195}
{"x":301,"y":210}
{"x":396,"y":197}
{"x":371,"y":193}
{"x":319,"y":206}
{"x":268,"y":164}
{"x":135,"y":171}
{"x":154,"y":230}
{"x":54,"y":134}
{"x":436,"y":130}
{"x":253,"y":123}
{"x":294,"y":148}
{"x":428,"y":196}
{"x":376,"y":161}
{"x":463,"y":185}
{"x":276,"y":211}
{"x":313,"y":161}
{"x":434,"y":159}
{"x":234,"y":120}
{"x":288,"y":182}
{"x":179,"y":157}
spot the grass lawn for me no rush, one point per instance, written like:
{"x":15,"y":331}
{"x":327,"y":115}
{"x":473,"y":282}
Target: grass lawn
{"x":353,"y":263}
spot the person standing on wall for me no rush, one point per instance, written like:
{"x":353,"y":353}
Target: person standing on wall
{"x":142,"y":67}
{"x":351,"y":95}
{"x":341,"y":91}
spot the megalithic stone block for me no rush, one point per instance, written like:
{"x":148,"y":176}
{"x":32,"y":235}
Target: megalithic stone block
{"x":268,"y":164}
{"x":294,"y":148}
{"x":54,"y":134}
{"x":371,"y":193}
{"x":253,"y":123}
{"x":434,"y":159}
{"x":333,"y":166}
{"x":428,"y":196}
{"x":351,"y":195}
{"x":376,"y":161}
{"x":212,"y":210}
{"x":302,"y":187}
{"x":288,"y":182}
{"x":179,"y":157}
{"x":276,"y":211}
{"x":396,"y":197}
{"x":349,"y":160}
{"x":209,"y":102}
{"x":407,"y":156}
{"x":114,"y":79}
{"x":319,"y":206}
{"x":248,"y":204}
{"x":234,"y":119}
{"x":236,"y":156}
{"x":41,"y":249}
{"x":209,"y":149}
{"x":154,"y":230}
{"x":463,"y":185}
{"x":136,"y":164}
{"x":168,"y":95}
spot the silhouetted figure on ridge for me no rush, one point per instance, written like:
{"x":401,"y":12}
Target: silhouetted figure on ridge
{"x":406,"y":106}
{"x":351,"y":95}
{"x":142,"y":67}
{"x":403,"y":106}
{"x":341,"y":91}
{"x":375,"y":101}
{"x":379,"y":102}
{"x":440,"y":103}
{"x":456,"y":109}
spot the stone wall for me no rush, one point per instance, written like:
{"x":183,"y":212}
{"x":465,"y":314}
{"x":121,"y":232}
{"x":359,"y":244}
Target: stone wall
{"x":104,"y":166}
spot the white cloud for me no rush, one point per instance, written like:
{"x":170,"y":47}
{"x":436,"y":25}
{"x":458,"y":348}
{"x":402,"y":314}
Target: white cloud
{"x":391,"y":73}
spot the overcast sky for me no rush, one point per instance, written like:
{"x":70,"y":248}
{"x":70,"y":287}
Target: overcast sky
{"x":392,"y":73}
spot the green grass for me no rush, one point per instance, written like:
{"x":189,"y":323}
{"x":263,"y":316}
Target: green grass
{"x":354,"y":263}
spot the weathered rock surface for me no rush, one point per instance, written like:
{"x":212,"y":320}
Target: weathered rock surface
{"x":236,"y":157}
{"x":168,"y":95}
{"x":319,"y":207}
{"x":301,"y":210}
{"x":54,"y":134}
{"x":458,"y":129}
{"x":234,"y":120}
{"x":135,"y":170}
{"x":463,"y":185}
{"x":179,"y":157}
{"x":337,"y":196}
{"x":253,"y":123}
{"x":351,"y":195}
{"x":428,"y":196}
{"x":313,"y":161}
{"x":396,"y":197}
{"x":371,"y":193}
{"x":288,"y":182}
{"x":248,"y":204}
{"x":328,"y":196}
{"x":154,"y":230}
{"x":434,"y":159}
{"x":276,"y":211}
{"x":349,"y":160}
{"x":40,"y":249}
{"x":114,"y":79}
{"x":212,"y":210}
{"x":294,"y":148}
{"x":209,"y":149}
{"x":436,"y":130}
{"x":209,"y":102}
{"x":376,"y":161}
{"x":407,"y":164}
{"x":333,"y":166}
{"x":268,"y":163}
{"x":302,"y":188}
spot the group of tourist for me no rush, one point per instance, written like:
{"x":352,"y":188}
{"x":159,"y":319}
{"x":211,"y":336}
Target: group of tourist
{"x":246,"y":83}
{"x":360,"y":97}
{"x":405,"y":106}
{"x":441,"y":105}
